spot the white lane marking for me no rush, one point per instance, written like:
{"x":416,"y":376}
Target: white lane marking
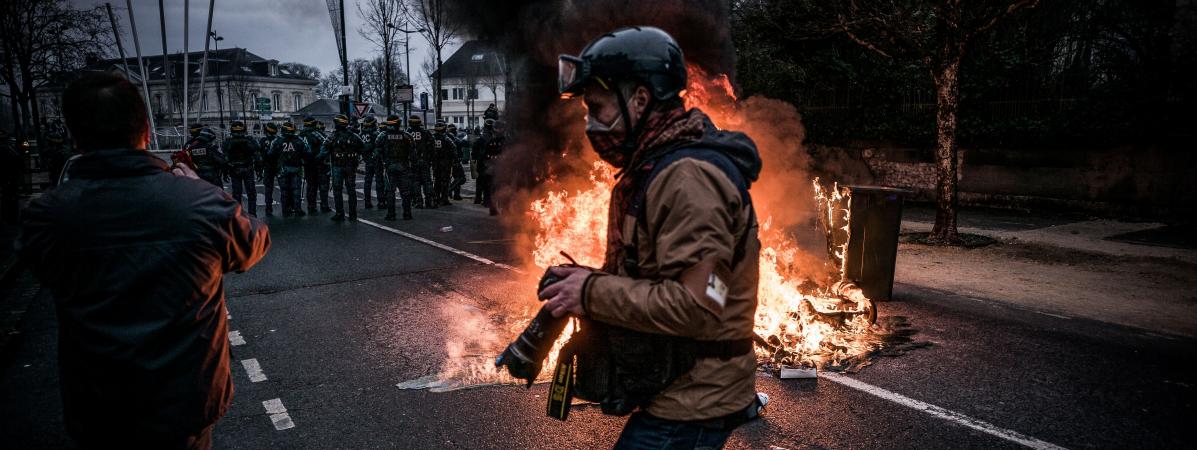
{"x":946,"y":414}
{"x":928,"y":408}
{"x":235,"y":338}
{"x":278,"y":414}
{"x":254,"y":370}
{"x":440,"y":246}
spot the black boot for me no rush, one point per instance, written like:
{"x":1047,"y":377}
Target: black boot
{"x":338,"y":217}
{"x":406,"y":215}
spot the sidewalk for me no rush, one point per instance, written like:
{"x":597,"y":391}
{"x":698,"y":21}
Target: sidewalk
{"x":1060,"y":265}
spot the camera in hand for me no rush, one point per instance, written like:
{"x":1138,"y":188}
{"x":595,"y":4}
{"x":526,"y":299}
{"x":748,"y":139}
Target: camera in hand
{"x":525,"y":356}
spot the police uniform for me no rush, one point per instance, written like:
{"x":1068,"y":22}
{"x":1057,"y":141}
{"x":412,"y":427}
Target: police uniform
{"x":424,"y":196}
{"x":315,"y":171}
{"x":243,"y":156}
{"x":291,"y":152}
{"x":269,"y":166}
{"x":461,"y":157}
{"x":207,"y":156}
{"x":444,"y":155}
{"x":344,"y":149}
{"x":396,"y":150}
{"x":374,"y":182}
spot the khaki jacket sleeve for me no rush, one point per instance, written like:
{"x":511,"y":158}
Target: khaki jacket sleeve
{"x":691,"y":210}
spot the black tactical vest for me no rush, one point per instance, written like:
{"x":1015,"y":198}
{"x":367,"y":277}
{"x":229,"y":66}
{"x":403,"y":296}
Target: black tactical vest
{"x":240,"y":152}
{"x":396,"y":147}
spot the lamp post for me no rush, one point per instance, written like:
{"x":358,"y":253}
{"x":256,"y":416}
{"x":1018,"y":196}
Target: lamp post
{"x":407,"y":73}
{"x":219,"y":96}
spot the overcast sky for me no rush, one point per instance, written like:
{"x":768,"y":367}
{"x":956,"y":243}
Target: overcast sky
{"x":286,"y":30}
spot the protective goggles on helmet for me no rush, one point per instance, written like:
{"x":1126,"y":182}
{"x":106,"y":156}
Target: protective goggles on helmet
{"x":571,"y":75}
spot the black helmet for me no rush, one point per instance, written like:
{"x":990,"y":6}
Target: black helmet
{"x":288,"y":127}
{"x":195,"y":129}
{"x":439,"y":126}
{"x":341,"y":120}
{"x":645,"y":54}
{"x":451,"y":127}
{"x":271,"y":128}
{"x":369,"y":122}
{"x":415,"y":122}
{"x":237,"y":126}
{"x":309,"y":121}
{"x":392,"y":121}
{"x":489,"y":123}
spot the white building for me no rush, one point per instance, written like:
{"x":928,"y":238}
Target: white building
{"x":236,"y":79}
{"x":472,"y":80}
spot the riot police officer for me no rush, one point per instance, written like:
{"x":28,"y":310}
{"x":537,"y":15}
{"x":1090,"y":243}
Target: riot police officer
{"x":268,"y":169}
{"x":444,"y":154}
{"x":243,"y":155}
{"x":316,"y":171}
{"x":291,"y":152}
{"x":462,"y":157}
{"x":374,"y":171}
{"x":396,"y":150}
{"x":209,"y":161}
{"x":486,"y":149}
{"x":422,"y":165}
{"x":344,"y":149}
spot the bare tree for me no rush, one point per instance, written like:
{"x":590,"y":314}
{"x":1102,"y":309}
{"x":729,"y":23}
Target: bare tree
{"x":381,"y":27}
{"x":937,"y":34}
{"x":302,"y":70}
{"x":436,"y":24}
{"x":40,"y":39}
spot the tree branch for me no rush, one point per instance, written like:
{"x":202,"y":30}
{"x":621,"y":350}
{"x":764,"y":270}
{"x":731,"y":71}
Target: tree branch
{"x":993,"y":21}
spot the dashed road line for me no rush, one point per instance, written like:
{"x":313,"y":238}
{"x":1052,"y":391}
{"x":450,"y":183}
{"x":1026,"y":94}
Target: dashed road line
{"x":942,"y":413}
{"x":440,"y":246}
{"x":235,"y":338}
{"x":278,"y":414}
{"x":253,"y":369}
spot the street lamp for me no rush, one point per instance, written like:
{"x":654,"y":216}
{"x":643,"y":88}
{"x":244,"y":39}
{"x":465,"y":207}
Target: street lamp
{"x":219,"y":95}
{"x":407,"y":55}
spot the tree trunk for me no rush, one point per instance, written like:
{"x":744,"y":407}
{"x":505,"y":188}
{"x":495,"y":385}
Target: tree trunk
{"x":438,"y":82}
{"x":386,"y":55}
{"x":947,"y":91}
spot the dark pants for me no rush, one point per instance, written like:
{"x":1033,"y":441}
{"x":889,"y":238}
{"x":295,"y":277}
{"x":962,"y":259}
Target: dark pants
{"x":288,"y":183}
{"x":375,"y":177}
{"x":423,"y":189}
{"x":200,"y":441}
{"x":243,"y":180}
{"x":459,"y":179}
{"x":484,"y":187}
{"x":344,"y":180}
{"x":440,"y":174}
{"x":268,"y":190}
{"x":645,"y":431}
{"x":325,"y":173}
{"x":314,"y":178}
{"x":398,"y":177}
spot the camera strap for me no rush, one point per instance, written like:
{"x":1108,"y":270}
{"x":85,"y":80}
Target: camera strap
{"x":561,"y":389}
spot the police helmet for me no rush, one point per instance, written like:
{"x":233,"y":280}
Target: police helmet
{"x":341,"y":120}
{"x":288,"y":127}
{"x":237,"y":126}
{"x":369,"y":122}
{"x":439,"y":126}
{"x":271,"y":128}
{"x":195,"y":129}
{"x":415,"y":122}
{"x":392,"y":121}
{"x":309,"y":122}
{"x":644,"y":54}
{"x":489,"y":123}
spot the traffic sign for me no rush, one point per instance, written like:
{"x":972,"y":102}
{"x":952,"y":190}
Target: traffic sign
{"x":361,"y":108}
{"x":405,"y":94}
{"x":263,"y":104}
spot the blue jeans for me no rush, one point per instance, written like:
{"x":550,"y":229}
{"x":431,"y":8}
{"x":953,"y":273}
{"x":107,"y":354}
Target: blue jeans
{"x":645,"y":431}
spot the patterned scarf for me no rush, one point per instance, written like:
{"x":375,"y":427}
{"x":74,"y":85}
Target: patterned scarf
{"x":664,"y":130}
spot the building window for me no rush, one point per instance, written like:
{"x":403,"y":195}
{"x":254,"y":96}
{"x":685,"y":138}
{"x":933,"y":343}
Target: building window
{"x":298,"y":101}
{"x":458,"y":93}
{"x":158,"y":102}
{"x":253,"y":102}
{"x":444,"y":94}
{"x":204,"y":102}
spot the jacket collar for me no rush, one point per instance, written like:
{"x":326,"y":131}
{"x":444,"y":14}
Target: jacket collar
{"x":117,"y":163}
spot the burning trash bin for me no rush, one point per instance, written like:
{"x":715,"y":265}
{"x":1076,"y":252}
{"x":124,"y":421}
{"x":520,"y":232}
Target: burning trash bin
{"x":873,"y":227}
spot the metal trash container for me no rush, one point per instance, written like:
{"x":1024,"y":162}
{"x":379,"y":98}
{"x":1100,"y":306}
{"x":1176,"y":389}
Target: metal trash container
{"x":876,"y":219}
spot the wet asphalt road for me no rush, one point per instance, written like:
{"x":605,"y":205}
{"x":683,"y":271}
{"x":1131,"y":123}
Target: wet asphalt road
{"x":337,"y":314}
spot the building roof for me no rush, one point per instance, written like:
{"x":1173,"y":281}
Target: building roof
{"x":223,"y":62}
{"x":331,"y":107}
{"x":474,"y":58}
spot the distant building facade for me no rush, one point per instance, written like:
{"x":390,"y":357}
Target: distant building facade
{"x":235,"y":82}
{"x":472,"y":79}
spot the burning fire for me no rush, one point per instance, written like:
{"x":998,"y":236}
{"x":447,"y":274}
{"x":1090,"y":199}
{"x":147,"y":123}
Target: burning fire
{"x":805,"y":320}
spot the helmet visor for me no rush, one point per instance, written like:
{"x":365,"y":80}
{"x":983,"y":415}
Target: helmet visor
{"x":570,"y":75}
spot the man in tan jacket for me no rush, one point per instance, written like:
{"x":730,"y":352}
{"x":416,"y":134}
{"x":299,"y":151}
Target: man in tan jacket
{"x":682,"y":248}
